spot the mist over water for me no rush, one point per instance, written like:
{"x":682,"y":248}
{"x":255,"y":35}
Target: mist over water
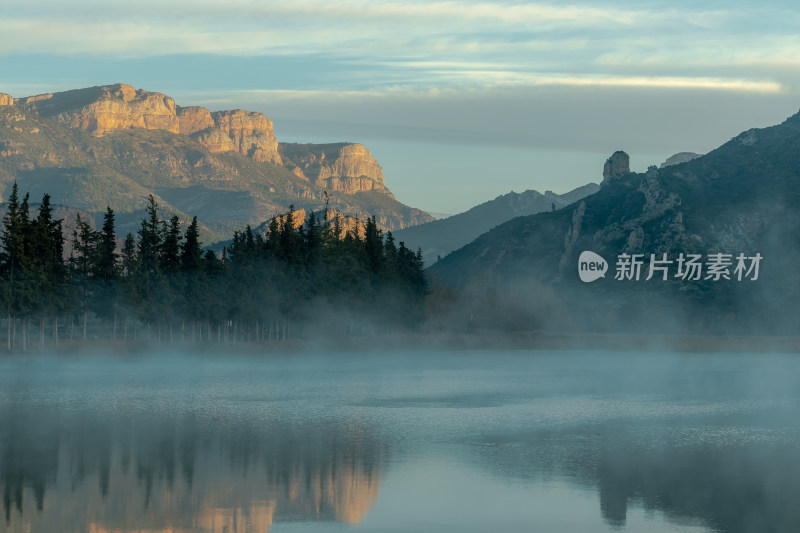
{"x":435,"y":441}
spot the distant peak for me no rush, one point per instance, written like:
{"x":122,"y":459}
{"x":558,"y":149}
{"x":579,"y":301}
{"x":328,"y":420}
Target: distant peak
{"x":680,"y":157}
{"x":618,"y":164}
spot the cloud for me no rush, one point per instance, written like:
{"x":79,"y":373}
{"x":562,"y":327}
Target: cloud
{"x":360,"y":28}
{"x":484,"y":12}
{"x":596,"y":118}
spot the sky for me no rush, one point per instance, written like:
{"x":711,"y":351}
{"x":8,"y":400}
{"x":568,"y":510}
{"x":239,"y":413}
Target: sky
{"x":460,"y":101}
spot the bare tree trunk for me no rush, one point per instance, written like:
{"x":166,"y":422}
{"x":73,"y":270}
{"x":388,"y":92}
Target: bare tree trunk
{"x":8,"y":338}
{"x":125,"y":330}
{"x":114,"y":334}
{"x":55,"y":331}
{"x":41,"y":335}
{"x":84,"y":324}
{"x":25,"y":335}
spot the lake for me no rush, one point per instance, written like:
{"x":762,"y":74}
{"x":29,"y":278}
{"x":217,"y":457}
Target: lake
{"x":422,"y":442}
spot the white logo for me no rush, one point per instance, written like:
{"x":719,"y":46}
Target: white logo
{"x":591,"y":267}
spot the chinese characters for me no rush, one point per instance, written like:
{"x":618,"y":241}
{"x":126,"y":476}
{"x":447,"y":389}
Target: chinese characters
{"x":688,"y":267}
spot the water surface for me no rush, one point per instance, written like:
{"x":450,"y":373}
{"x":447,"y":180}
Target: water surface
{"x":505,"y":441}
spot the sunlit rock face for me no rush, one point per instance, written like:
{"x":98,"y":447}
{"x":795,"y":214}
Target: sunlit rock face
{"x":179,"y":476}
{"x":225,"y":167}
{"x":6,"y":99}
{"x":345,"y":167}
{"x":193,"y":119}
{"x":99,"y":110}
{"x":246,"y":132}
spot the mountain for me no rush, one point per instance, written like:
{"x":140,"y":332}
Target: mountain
{"x":440,"y":237}
{"x":680,"y":157}
{"x":743,"y":197}
{"x":114,"y":145}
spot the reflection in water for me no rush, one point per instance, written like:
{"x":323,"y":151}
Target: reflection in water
{"x":732,"y":480}
{"x":66,"y":471}
{"x":513,"y":442}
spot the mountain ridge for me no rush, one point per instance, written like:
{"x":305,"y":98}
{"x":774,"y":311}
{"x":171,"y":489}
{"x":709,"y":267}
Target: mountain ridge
{"x":114,"y":145}
{"x":440,"y":237}
{"x":743,"y":197}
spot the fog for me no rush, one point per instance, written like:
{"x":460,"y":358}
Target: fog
{"x":424,"y":441}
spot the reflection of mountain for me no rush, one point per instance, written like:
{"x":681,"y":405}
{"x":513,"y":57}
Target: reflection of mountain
{"x":62,"y":472}
{"x":729,"y":479}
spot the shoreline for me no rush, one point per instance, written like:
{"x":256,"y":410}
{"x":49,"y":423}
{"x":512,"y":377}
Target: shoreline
{"x":422,"y":342}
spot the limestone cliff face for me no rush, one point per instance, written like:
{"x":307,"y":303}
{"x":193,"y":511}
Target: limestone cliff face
{"x":246,"y":132}
{"x":99,"y":110}
{"x":618,"y":164}
{"x":193,"y":119}
{"x":193,"y":162}
{"x":345,"y":167}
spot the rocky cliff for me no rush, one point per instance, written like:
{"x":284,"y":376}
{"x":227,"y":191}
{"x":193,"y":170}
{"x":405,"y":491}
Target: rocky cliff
{"x":193,"y":119}
{"x":344,"y":167}
{"x":99,"y":110}
{"x":6,"y":99}
{"x":247,"y":132}
{"x":617,"y":165}
{"x":114,"y":145}
{"x":741,"y":198}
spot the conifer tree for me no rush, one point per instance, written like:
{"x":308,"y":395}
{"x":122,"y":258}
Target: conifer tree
{"x":150,"y":238}
{"x":171,"y":247}
{"x":107,"y":260}
{"x":191,"y":251}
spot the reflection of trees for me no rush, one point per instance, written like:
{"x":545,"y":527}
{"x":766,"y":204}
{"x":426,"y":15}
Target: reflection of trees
{"x":28,"y":458}
{"x":733,"y":488}
{"x":71,"y":472}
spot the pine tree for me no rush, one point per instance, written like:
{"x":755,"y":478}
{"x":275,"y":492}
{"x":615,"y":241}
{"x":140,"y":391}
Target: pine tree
{"x":171,"y":247}
{"x":191,"y":251}
{"x":106,"y":271}
{"x":130,"y":259}
{"x":83,"y":262}
{"x":150,"y":238}
{"x":373,"y":246}
{"x":107,"y":267}
{"x":273,"y":243}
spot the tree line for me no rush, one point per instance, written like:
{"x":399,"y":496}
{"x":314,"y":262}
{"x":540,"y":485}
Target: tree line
{"x":302,"y":278}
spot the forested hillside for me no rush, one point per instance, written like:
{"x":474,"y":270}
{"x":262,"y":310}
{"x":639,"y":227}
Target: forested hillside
{"x":301,"y":280}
